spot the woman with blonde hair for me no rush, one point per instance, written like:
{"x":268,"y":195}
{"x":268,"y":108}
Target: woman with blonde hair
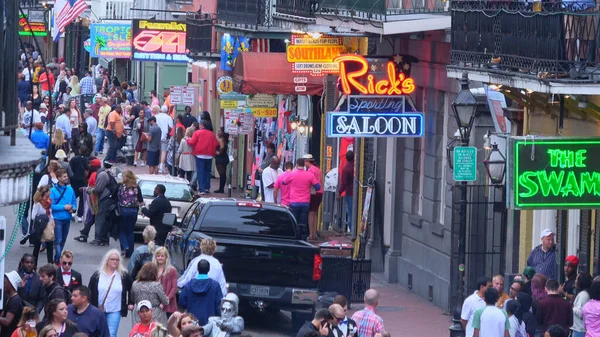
{"x":187,"y":161}
{"x":58,"y":143}
{"x":74,"y":84}
{"x":48,"y":331}
{"x":41,"y":206}
{"x":208,"y":247}
{"x":129,"y":199}
{"x":143,"y":253}
{"x":167,"y":276}
{"x":109,"y":289}
{"x":76,"y":118}
{"x":147,"y":288}
{"x":29,"y":319}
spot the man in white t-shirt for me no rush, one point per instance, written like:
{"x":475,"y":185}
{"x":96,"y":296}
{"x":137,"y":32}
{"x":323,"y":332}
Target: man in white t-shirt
{"x":30,"y":117}
{"x":269,"y":176}
{"x":164,"y":121}
{"x":472,"y":303}
{"x":491,"y":321}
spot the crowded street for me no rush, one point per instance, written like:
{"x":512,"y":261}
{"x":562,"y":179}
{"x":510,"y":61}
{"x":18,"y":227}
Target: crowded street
{"x":314,"y":168}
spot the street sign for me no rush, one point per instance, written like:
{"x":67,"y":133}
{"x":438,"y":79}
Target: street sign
{"x":181,"y":95}
{"x":300,"y":88}
{"x":465,"y":163}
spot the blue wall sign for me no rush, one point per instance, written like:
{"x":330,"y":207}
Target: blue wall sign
{"x":388,"y":124}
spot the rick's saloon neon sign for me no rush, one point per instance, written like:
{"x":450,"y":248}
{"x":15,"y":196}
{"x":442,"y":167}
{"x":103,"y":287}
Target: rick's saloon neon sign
{"x":557,"y":173}
{"x":355,"y":79}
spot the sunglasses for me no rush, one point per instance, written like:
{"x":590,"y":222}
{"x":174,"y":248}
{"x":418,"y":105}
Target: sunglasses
{"x":339,"y":319}
{"x":65,"y":263}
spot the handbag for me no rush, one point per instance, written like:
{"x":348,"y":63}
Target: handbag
{"x":101,"y":307}
{"x":48,"y":233}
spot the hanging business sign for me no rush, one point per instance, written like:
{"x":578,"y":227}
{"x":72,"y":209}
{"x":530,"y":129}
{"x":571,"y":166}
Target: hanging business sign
{"x":159,"y":41}
{"x":225,"y":84}
{"x":364,"y":124}
{"x":555,"y":173}
{"x":359,"y":76}
{"x":110,"y":40}
{"x":32,"y":24}
{"x":314,"y":55}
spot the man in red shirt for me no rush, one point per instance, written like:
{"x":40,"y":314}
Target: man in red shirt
{"x":46,"y":81}
{"x":316,"y":197}
{"x":300,"y":182}
{"x":204,"y":145}
{"x":347,"y":186}
{"x":146,"y":324}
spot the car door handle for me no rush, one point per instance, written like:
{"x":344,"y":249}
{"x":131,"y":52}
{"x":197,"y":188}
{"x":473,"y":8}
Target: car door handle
{"x":260,"y":253}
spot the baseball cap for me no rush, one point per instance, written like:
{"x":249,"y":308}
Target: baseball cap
{"x":14,"y":279}
{"x":164,"y":108}
{"x":573,"y":260}
{"x":61,"y":106}
{"x":144,"y":303}
{"x":95,"y":163}
{"x":43,"y":106}
{"x":546,"y":232}
{"x":60,"y":154}
{"x":308,"y":156}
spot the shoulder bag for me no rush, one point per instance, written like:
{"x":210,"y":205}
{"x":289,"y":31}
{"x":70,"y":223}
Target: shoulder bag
{"x":101,"y":307}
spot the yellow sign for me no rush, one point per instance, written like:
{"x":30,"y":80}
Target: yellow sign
{"x":229,"y":104}
{"x":225,"y":85}
{"x":313,"y":54}
{"x":264,"y":112}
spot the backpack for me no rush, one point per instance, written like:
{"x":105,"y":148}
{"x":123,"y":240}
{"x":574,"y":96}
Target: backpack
{"x":112,"y":185}
{"x":66,"y":293}
{"x":141,"y":260}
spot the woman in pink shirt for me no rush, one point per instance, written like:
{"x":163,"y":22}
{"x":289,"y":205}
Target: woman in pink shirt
{"x":591,"y":311}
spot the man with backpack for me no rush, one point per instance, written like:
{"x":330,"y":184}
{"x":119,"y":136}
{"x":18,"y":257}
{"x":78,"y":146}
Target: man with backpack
{"x":53,"y":289}
{"x":105,"y":189}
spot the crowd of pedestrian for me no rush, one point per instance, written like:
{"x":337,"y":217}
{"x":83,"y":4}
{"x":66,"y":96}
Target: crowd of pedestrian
{"x":537,"y":305}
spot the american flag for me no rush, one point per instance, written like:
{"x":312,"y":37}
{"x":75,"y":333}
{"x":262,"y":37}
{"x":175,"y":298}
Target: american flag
{"x":260,"y":45}
{"x":71,"y":10}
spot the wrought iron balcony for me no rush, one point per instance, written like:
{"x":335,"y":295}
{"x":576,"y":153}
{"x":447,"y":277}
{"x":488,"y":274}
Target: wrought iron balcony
{"x":245,"y":12}
{"x":200,"y":34}
{"x":541,"y":40}
{"x":381,"y":10}
{"x":298,"y":8}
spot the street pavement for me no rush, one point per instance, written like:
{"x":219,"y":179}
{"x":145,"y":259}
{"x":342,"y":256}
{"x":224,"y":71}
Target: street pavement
{"x":403,"y":312}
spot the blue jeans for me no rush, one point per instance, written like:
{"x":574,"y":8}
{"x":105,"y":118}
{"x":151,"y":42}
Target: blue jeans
{"x":25,"y":220}
{"x":112,"y":320}
{"x":112,"y":146}
{"x":578,"y":334}
{"x":203,"y":167}
{"x":126,"y":227}
{"x":61,"y":231}
{"x":300,"y":212}
{"x":99,"y":140}
{"x":349,"y":212}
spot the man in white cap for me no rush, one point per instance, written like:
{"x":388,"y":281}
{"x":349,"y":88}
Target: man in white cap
{"x":13,"y":305}
{"x":146,"y":324}
{"x":165,"y":122}
{"x":543,"y":257}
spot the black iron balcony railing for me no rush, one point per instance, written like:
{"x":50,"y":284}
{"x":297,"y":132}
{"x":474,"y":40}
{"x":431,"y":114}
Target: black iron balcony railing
{"x":542,"y":40}
{"x":381,"y":9}
{"x":301,"y":8}
{"x":200,"y":33}
{"x":245,"y":12}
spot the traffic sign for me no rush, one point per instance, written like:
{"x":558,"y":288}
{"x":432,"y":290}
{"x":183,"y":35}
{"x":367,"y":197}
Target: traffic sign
{"x":465,"y":163}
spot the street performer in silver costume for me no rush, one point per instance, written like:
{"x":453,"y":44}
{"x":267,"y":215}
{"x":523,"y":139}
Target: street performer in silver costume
{"x":229,"y":324}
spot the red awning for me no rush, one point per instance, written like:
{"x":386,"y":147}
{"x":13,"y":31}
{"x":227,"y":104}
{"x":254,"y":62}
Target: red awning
{"x":270,"y":73}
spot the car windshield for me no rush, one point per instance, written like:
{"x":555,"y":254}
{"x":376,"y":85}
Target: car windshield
{"x":175,"y":191}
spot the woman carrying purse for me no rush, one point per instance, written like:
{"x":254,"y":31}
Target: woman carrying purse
{"x":41,"y":208}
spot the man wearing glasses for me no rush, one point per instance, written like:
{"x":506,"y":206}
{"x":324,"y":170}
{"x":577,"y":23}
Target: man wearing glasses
{"x":70,"y":279}
{"x":337,"y":311}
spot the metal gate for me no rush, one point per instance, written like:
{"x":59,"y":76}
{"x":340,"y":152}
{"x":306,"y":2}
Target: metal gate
{"x":486,"y":217}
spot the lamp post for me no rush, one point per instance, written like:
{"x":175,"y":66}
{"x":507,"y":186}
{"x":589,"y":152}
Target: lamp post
{"x":495,"y":165}
{"x":464,"y":108}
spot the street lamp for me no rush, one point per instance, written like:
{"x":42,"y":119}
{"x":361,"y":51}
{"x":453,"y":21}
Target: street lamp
{"x":464,"y":108}
{"x":495,"y":165}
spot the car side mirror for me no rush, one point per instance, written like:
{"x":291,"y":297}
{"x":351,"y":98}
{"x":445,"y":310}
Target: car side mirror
{"x":169,"y":220}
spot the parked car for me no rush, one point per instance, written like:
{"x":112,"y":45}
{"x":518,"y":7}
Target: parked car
{"x":265,"y":261}
{"x":178,"y":192}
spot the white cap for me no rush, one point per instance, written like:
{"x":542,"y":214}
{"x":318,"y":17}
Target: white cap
{"x":546,"y":232}
{"x":144,"y":303}
{"x":164,"y":108}
{"x":43,"y":106}
{"x":308,"y":156}
{"x":14,"y":279}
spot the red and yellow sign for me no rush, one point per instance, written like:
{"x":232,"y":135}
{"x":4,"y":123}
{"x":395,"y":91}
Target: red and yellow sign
{"x":314,"y":55}
{"x":394,"y":83}
{"x":31,"y":28}
{"x":159,"y":41}
{"x":264,"y":112}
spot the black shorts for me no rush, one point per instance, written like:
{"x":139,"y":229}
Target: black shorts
{"x":152,"y":158}
{"x":315,"y":201}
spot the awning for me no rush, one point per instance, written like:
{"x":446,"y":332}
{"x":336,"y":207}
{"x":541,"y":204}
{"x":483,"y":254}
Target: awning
{"x":270,"y":73}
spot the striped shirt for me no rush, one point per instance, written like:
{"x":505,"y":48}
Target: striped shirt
{"x":368,"y":322}
{"x":543,"y":262}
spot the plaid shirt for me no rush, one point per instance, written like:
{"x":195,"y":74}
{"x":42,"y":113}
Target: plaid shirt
{"x":544,"y":263}
{"x":87,"y":86}
{"x":368,"y":322}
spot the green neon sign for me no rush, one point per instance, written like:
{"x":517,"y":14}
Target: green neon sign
{"x":557,"y":173}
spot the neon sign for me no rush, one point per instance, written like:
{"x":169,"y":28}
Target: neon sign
{"x":357,"y":124}
{"x":556,"y":173}
{"x":360,"y":82}
{"x":31,"y":28}
{"x":159,"y":41}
